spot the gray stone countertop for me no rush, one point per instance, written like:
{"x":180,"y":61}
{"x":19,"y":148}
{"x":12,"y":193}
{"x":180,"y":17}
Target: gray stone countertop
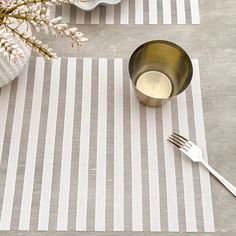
{"x":213,"y":42}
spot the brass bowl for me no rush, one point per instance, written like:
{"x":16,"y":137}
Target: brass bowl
{"x":169,"y":61}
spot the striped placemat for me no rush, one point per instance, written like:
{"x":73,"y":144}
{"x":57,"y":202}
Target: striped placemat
{"x":78,"y":152}
{"x":134,"y":12}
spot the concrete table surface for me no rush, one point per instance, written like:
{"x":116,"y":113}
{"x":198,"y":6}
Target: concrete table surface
{"x":213,"y":42}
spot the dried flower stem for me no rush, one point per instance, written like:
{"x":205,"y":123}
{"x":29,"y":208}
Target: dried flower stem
{"x":37,"y":14}
{"x":35,"y":44}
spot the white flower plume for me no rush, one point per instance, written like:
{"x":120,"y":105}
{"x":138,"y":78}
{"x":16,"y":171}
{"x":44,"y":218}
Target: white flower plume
{"x":37,"y":14}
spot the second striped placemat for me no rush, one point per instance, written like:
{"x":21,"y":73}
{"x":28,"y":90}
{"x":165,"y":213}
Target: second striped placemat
{"x":134,"y":12}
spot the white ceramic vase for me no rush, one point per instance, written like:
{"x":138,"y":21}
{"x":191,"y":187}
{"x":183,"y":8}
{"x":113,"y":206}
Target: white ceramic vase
{"x":10,"y":70}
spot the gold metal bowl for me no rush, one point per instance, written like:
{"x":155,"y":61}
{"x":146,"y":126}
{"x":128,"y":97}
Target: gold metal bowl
{"x":159,"y":70}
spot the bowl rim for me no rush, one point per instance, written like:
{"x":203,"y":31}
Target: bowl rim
{"x":92,"y":4}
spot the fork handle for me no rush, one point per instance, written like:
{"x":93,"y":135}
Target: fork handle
{"x":225,"y":182}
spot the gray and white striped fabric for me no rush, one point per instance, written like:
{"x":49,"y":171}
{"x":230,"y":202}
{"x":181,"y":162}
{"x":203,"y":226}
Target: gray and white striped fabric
{"x":79,"y":152}
{"x":134,"y":12}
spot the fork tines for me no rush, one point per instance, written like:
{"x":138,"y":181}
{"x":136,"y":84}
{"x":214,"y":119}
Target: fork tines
{"x":178,"y":140}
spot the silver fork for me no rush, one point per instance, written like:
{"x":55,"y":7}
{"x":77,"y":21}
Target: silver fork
{"x":195,"y":154}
